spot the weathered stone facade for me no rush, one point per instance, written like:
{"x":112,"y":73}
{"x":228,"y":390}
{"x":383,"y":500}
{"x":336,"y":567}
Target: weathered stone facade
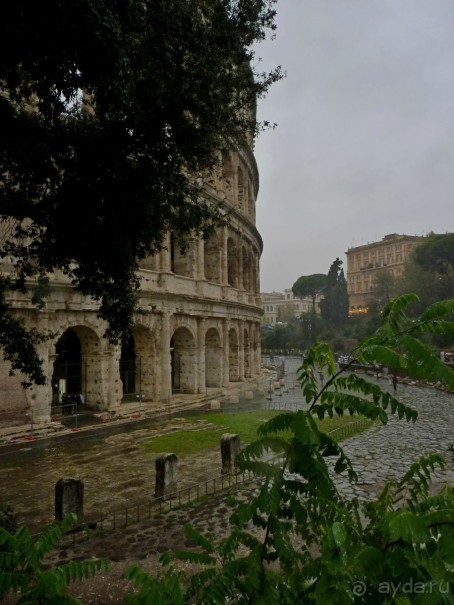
{"x":199,"y":325}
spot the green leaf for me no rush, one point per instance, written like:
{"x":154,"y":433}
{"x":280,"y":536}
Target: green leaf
{"x":406,"y":526}
{"x":339,"y":534}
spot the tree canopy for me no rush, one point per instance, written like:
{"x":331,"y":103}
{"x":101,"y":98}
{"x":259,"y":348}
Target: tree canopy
{"x":310,"y":285}
{"x":112,"y":113}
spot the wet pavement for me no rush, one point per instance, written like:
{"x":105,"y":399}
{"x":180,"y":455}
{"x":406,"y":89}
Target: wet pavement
{"x":115,"y":469}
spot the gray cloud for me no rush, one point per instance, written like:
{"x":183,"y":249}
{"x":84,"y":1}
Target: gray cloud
{"x":365,"y":138}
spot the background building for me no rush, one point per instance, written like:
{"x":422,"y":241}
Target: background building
{"x":364,"y":263}
{"x":282,"y":306}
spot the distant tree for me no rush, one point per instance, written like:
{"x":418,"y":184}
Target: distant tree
{"x":334,"y":306}
{"x":112,"y":115}
{"x":310,"y":285}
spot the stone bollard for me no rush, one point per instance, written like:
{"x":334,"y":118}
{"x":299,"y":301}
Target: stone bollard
{"x":230,"y":447}
{"x":215,"y":404}
{"x":69,"y":498}
{"x":166,"y":475}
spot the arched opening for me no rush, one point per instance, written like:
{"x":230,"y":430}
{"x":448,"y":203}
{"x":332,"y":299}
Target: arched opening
{"x":212,"y":258}
{"x":67,"y":372}
{"x":128,"y":367}
{"x":182,"y":259}
{"x":213,"y":359}
{"x":234,"y":374}
{"x":183,"y":361}
{"x":232,"y":265}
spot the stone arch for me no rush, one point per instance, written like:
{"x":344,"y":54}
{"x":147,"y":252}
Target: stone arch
{"x":77,"y":365}
{"x":247,"y":354}
{"x":234,"y":368}
{"x":183,"y":354}
{"x":212,"y":258}
{"x":232,"y":263}
{"x":213,"y":358}
{"x":182,"y":261}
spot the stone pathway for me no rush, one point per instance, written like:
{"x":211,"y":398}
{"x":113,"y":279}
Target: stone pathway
{"x":386,"y":452}
{"x":379,"y":454}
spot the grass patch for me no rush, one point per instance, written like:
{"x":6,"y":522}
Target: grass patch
{"x":244,"y":424}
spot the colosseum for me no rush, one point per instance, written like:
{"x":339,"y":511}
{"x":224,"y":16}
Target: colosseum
{"x":198,"y":330}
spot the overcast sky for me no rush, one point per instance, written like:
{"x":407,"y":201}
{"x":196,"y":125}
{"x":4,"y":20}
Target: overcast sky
{"x":364,"y":143}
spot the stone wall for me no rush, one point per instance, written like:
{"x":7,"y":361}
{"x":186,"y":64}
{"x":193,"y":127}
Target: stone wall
{"x":198,"y":329}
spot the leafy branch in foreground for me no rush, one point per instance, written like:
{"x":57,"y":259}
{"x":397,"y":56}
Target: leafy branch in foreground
{"x":23,"y":570}
{"x":298,"y":539}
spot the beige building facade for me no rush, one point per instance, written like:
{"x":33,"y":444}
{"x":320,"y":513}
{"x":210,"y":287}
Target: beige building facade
{"x":278,"y":306}
{"x":198,"y":328}
{"x":364,"y":263}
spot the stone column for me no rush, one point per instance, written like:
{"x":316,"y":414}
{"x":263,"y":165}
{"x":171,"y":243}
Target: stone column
{"x":226,"y":349}
{"x":240,"y":263}
{"x":39,"y":397}
{"x":241,"y":350}
{"x":201,"y":362}
{"x":166,"y":475}
{"x":257,"y":355}
{"x":69,"y":498}
{"x":166,"y":361}
{"x":224,"y":258}
{"x":111,"y":385}
{"x":164,"y":255}
{"x":200,"y":259}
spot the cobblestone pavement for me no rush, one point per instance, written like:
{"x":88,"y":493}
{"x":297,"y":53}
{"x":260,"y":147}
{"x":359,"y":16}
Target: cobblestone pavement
{"x":386,"y":452}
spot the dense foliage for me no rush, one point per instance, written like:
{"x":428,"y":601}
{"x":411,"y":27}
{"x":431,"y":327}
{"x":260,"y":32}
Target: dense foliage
{"x":23,"y":570}
{"x":112,"y":113}
{"x":297,"y":539}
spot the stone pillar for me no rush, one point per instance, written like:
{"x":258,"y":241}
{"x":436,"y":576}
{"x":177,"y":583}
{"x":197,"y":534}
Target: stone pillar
{"x":69,"y":498}
{"x":224,"y":258}
{"x":241,"y":350}
{"x":166,"y":475}
{"x":166,"y":361}
{"x":226,"y":349}
{"x":240,"y":263}
{"x":112,"y":387}
{"x":257,"y":353}
{"x":201,"y":362}
{"x":230,"y":447}
{"x":164,"y":255}
{"x":39,"y":397}
{"x":200,"y":259}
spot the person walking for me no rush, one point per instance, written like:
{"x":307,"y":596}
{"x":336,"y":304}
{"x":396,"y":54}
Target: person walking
{"x":394,"y":381}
